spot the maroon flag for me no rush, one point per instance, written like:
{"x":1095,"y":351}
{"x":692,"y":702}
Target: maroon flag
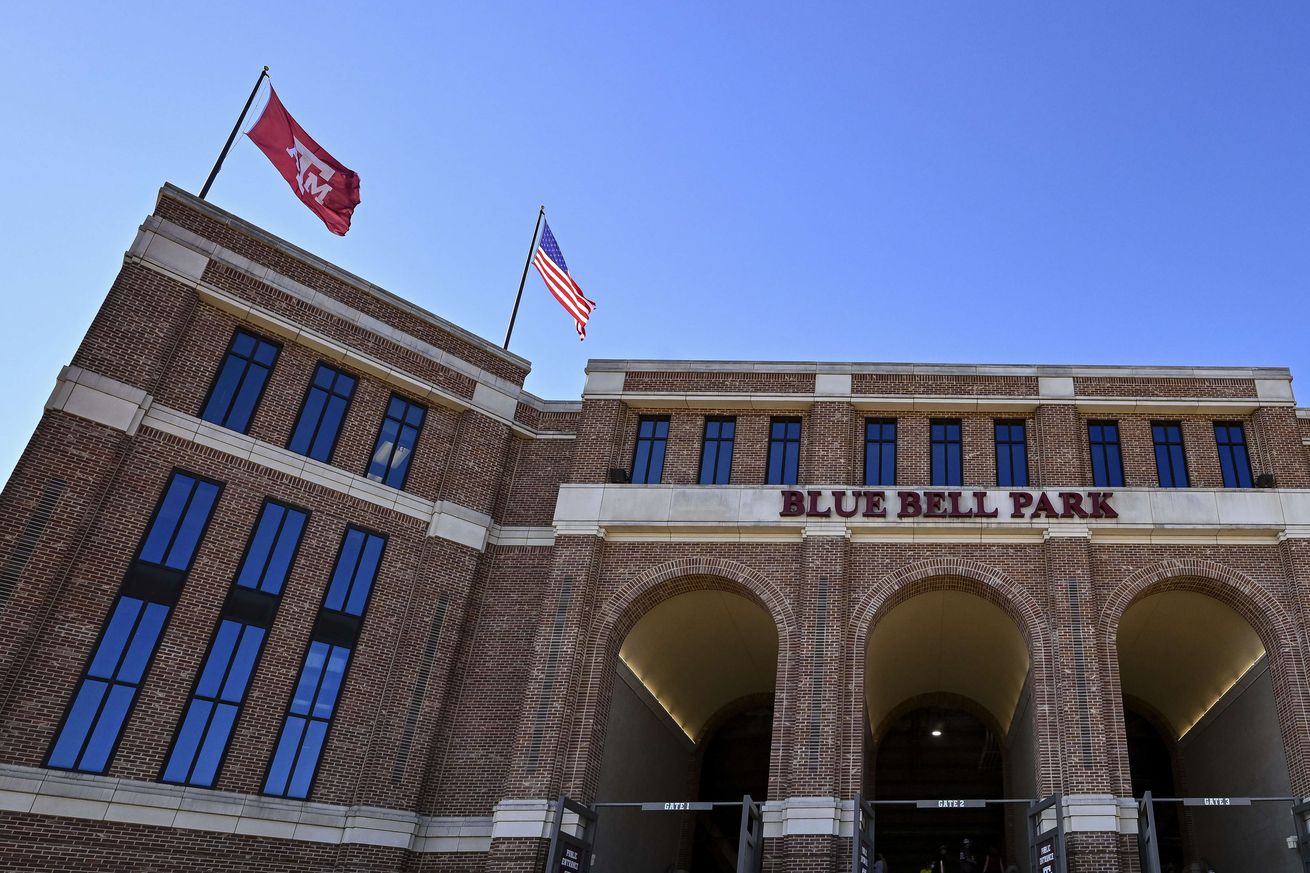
{"x":322,"y":183}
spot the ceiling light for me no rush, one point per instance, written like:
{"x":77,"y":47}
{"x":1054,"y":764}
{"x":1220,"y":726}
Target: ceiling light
{"x":936,"y":733}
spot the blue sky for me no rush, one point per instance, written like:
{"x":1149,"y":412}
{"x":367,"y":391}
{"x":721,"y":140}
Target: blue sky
{"x":917,"y":181}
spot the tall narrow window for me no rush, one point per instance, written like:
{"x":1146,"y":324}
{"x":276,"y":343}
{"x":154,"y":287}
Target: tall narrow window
{"x":648,"y":455}
{"x":880,"y":451}
{"x":1170,"y":462}
{"x":105,"y":693}
{"x":784,"y":451}
{"x":336,"y":633}
{"x":1230,"y":437}
{"x":396,"y":440}
{"x":322,"y":413}
{"x":206,"y":729}
{"x":1107,"y":460}
{"x":240,"y":381}
{"x":716,"y":451}
{"x":946,"y":461}
{"x":1011,"y":454}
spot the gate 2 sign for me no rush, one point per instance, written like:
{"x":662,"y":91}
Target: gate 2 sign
{"x":946,"y":504}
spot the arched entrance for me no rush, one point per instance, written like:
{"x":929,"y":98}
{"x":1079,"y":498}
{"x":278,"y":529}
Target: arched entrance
{"x":690,"y":719}
{"x":949,"y":714}
{"x":1201,"y":720}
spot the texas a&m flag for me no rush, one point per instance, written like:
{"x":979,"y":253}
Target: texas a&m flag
{"x":324,"y":184}
{"x":549,"y":261}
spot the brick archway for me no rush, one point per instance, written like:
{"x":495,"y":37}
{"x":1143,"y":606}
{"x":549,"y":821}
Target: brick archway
{"x":951,"y":574}
{"x":624,"y":608}
{"x":1259,"y":607}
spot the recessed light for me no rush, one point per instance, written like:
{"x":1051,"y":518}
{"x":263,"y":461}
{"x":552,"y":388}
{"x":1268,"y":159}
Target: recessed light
{"x":936,"y":733}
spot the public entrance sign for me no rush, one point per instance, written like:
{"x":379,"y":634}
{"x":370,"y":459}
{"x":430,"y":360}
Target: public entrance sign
{"x":1046,"y":844}
{"x":1301,"y":813}
{"x":569,"y":853}
{"x":862,"y":836}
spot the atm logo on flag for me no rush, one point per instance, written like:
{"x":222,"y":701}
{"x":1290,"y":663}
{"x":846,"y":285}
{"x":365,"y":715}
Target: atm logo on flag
{"x":324,"y":184}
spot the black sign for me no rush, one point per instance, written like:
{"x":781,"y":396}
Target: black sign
{"x":1048,"y":855}
{"x":677,"y":806}
{"x":1216,"y":801}
{"x":949,"y":804}
{"x":571,"y":856}
{"x":864,"y":865}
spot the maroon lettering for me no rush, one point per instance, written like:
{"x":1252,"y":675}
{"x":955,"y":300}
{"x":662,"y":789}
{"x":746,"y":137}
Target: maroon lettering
{"x":839,"y":501}
{"x":980,"y":505}
{"x":936,"y":501}
{"x":814,"y":510}
{"x":873,"y":504}
{"x":1101,"y":507}
{"x":1072,"y":505}
{"x":911,"y":505}
{"x":793,"y":503}
{"x":1044,"y":508}
{"x":956,"y":511}
{"x":1020,"y":500}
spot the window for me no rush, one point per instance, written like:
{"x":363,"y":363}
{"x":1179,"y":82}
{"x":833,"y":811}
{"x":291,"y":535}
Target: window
{"x":1169,"y":460}
{"x":784,"y":451}
{"x":100,"y":705}
{"x":880,"y":451}
{"x":240,"y":382}
{"x":1011,"y":454}
{"x":1107,"y":461}
{"x":206,"y":728}
{"x":1230,"y":436}
{"x":648,"y":456}
{"x":945,"y":435}
{"x":396,"y":440}
{"x":716,"y":451}
{"x":322,"y":413}
{"x":336,"y":632}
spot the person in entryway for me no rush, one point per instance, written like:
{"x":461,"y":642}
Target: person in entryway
{"x":994,"y":862}
{"x":880,"y":865}
{"x":938,"y":864}
{"x":968,"y":862}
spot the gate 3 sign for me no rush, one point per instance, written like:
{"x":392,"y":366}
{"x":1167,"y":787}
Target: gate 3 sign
{"x":947,"y":504}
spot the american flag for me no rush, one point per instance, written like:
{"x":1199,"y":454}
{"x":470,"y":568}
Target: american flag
{"x":549,"y":262}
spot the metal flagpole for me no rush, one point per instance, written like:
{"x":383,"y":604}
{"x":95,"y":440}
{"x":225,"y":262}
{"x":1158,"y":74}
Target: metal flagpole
{"x":524,"y":278}
{"x":233,"y":135}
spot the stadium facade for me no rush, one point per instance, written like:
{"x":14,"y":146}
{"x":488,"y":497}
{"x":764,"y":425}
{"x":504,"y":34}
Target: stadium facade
{"x":295,"y":575}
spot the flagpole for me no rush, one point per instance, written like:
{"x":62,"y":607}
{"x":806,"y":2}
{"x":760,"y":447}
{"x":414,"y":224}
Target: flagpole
{"x":233,"y":135}
{"x":524,"y":278}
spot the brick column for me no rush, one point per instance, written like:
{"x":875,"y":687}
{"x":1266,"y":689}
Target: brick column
{"x":550,"y":700}
{"x":828,"y":456}
{"x":1057,"y":455}
{"x":813,"y":786}
{"x":1294,"y":702}
{"x":1079,"y":765}
{"x":597,"y":443}
{"x":1278,"y":448}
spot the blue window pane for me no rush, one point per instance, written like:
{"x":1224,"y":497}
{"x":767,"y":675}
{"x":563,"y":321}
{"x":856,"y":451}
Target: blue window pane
{"x":243,"y":344}
{"x":80,"y":716}
{"x":225,"y":388}
{"x":285,"y":756}
{"x":381,"y":460}
{"x":279,"y":564}
{"x":261,"y":544}
{"x":142,"y":645}
{"x":220,"y":655}
{"x":243,"y":406}
{"x":791,"y":463}
{"x":331,"y":685}
{"x":414,"y":415}
{"x":115,"y":638}
{"x":188,"y":740}
{"x":656,"y":472}
{"x":310,"y":416}
{"x":192,"y":526}
{"x":167,"y":517}
{"x":328,"y":429}
{"x":107,"y":729}
{"x":396,"y":408}
{"x":641,"y":462}
{"x":211,"y":752}
{"x":307,"y":687}
{"x":364,"y":575}
{"x":344,"y":571}
{"x":307,"y":761}
{"x":266,"y":353}
{"x":243,"y":664}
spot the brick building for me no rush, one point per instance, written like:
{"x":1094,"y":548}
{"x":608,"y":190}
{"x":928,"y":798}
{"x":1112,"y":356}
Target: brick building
{"x":294,"y":575}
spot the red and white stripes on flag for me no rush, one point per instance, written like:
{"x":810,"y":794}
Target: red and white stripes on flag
{"x":549,"y":261}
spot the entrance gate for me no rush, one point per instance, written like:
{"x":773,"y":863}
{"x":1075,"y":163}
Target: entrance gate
{"x":1148,"y":843}
{"x":571,"y":853}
